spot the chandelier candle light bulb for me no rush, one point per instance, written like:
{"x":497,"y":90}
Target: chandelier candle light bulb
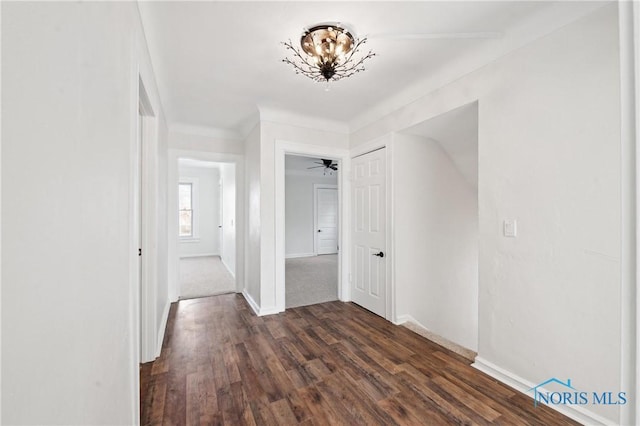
{"x":329,"y":53}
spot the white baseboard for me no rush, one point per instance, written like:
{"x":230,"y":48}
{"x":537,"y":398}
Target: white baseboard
{"x":296,"y":255}
{"x":579,"y":414}
{"x":269,"y":311}
{"x":227,"y":266}
{"x":252,"y":303}
{"x":401,"y":319}
{"x":412,"y":324}
{"x":257,"y":309}
{"x":162,"y":328}
{"x":184,"y":256}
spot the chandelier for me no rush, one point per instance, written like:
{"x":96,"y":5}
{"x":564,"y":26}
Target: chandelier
{"x":328,"y":52}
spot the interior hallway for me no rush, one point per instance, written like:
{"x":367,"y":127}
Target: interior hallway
{"x":332,"y":363}
{"x":204,"y":276}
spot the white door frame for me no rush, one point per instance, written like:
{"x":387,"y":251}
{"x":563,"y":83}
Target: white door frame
{"x":172,"y":205}
{"x":317,"y":186}
{"x":149,"y":205}
{"x":283,"y":148}
{"x":629,"y":36}
{"x":385,"y":141}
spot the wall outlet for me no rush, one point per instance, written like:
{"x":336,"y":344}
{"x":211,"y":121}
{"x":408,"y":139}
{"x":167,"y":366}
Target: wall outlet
{"x":510,"y":228}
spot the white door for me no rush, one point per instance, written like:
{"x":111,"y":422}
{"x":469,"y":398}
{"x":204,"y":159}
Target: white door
{"x":326,"y":238}
{"x":368,"y":281}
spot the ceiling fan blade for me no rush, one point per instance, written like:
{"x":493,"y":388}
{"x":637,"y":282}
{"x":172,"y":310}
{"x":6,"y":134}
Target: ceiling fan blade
{"x":314,"y":167}
{"x":436,"y":36}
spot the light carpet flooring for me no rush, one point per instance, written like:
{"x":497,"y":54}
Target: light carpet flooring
{"x":204,"y":276}
{"x":311,"y":280}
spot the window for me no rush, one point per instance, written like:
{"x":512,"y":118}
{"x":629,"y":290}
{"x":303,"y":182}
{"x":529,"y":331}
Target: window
{"x":185,"y":200}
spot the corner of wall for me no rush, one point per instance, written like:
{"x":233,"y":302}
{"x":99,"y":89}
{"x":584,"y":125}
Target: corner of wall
{"x":162,"y":328}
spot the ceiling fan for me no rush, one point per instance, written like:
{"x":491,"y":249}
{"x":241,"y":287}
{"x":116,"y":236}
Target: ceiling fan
{"x":327,"y":164}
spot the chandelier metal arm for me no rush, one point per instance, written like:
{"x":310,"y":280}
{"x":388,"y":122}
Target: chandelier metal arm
{"x":355,"y":49}
{"x":289,"y":46}
{"x":343,"y":67}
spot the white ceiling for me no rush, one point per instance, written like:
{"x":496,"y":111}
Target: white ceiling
{"x":457,"y":133}
{"x":217,"y":62}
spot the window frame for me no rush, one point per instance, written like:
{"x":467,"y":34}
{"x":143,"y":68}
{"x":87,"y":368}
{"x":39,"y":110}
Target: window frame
{"x":195,"y":205}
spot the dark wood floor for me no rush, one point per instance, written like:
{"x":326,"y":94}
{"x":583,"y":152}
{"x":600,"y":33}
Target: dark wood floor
{"x":327,"y":364}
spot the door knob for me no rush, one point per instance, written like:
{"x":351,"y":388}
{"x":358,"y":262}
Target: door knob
{"x":381,"y":254}
{"x":319,"y":230}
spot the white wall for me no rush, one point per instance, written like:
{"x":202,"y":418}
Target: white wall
{"x":252,"y":217}
{"x":69,"y":320}
{"x":299,"y":214}
{"x":435,"y":216}
{"x":182,"y":139}
{"x":549,"y":156}
{"x":228,"y":185}
{"x":206,"y":213}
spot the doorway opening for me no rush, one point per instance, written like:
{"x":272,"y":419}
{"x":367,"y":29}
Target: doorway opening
{"x":341,"y":158}
{"x":311,"y":230}
{"x":436,"y":240}
{"x":217,"y":232}
{"x":206,"y":228}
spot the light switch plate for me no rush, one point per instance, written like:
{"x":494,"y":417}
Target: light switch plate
{"x":510,"y":228}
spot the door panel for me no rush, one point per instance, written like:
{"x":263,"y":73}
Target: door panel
{"x":369,"y":232}
{"x":327,"y":220}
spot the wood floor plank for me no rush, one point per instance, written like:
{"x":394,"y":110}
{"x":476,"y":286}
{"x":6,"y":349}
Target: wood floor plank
{"x":397,"y":409}
{"x":429,"y":396}
{"x":289,"y":353}
{"x":192,"y":399}
{"x":297,"y":406}
{"x":282,"y":412}
{"x":248,"y":374}
{"x":152,"y":411}
{"x":175,"y":402}
{"x":207,"y":395}
{"x":262,"y":412}
{"x":475,"y":404}
{"x":321,"y":410}
{"x":328,"y":364}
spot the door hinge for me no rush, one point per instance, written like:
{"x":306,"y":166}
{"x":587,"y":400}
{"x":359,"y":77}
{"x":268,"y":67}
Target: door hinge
{"x":139,"y":252}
